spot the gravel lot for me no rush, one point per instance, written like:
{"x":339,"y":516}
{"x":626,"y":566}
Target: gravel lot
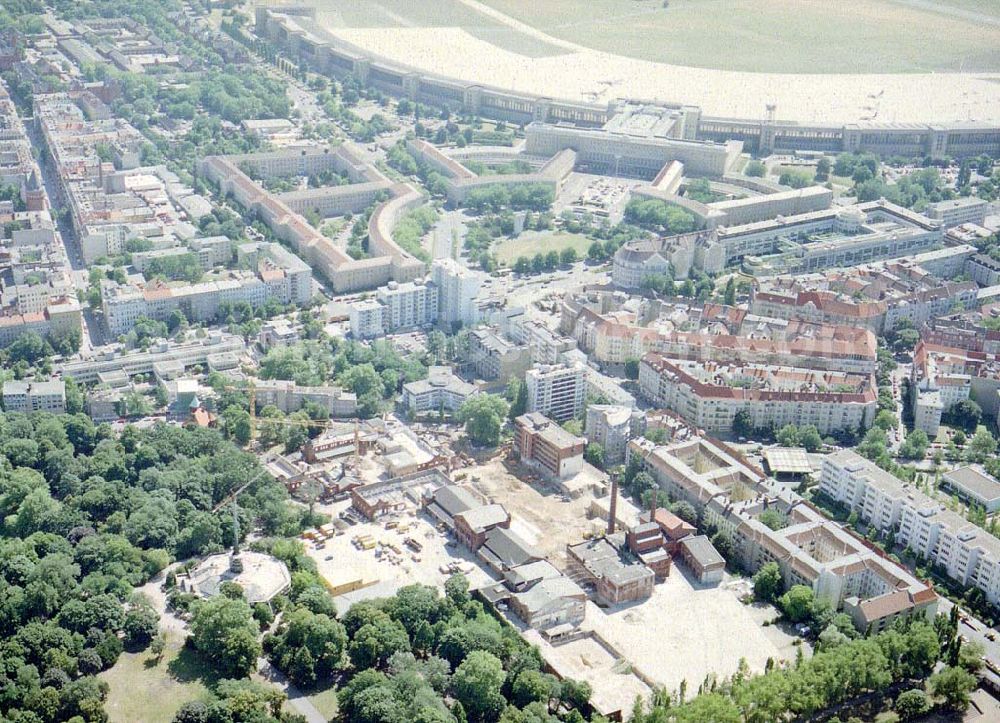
{"x":685,"y":632}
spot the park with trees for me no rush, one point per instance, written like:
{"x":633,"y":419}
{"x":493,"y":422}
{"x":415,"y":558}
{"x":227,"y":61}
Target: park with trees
{"x":415,"y":656}
{"x":88,"y":516}
{"x":659,"y":216}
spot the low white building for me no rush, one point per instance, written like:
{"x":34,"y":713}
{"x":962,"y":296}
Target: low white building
{"x":440,"y":391}
{"x":975,"y":485}
{"x":23,"y":396}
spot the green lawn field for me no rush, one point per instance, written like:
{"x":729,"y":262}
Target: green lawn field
{"x":152,"y":691}
{"x":325,"y":702}
{"x":530,"y":243}
{"x":142,"y":690}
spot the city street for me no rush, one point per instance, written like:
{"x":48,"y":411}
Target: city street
{"x":92,"y":333}
{"x":975,"y":630}
{"x":898,"y":375}
{"x":525,"y":291}
{"x":448,"y":234}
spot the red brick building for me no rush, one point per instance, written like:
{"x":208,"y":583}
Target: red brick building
{"x":674,"y":529}
{"x":541,"y":442}
{"x":646,"y":541}
{"x":471,"y":526}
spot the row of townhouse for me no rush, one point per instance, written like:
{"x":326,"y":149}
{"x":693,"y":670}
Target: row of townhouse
{"x":710,"y":395}
{"x":915,"y":307}
{"x":611,"y":341}
{"x":967,"y":553}
{"x":280,"y":275}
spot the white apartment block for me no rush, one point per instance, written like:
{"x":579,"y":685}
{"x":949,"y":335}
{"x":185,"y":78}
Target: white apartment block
{"x":408,"y":304}
{"x":966,"y":552}
{"x":610,"y":426}
{"x":809,"y":550}
{"x":546,"y":345}
{"x":458,"y":288}
{"x":494,"y":358}
{"x":367,"y":319}
{"x":556,"y":390}
{"x":212,"y":250}
{"x":396,"y":306}
{"x":23,"y":396}
{"x":939,"y":380}
{"x":933,"y":395}
{"x":440,"y":391}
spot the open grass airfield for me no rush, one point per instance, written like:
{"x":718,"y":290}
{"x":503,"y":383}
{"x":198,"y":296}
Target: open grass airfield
{"x":772,"y":36}
{"x":850,"y":61}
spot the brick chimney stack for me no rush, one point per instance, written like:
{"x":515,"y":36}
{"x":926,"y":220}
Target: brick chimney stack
{"x":613,"y":507}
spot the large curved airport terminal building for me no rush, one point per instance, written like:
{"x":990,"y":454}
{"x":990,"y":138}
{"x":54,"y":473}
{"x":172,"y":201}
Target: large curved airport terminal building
{"x":833,"y":113}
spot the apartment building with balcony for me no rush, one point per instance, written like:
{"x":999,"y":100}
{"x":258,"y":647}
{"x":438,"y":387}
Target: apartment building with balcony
{"x":289,"y":397}
{"x":965,"y":552}
{"x":610,"y":426}
{"x":556,"y":390}
{"x":710,"y":395}
{"x":25,"y":396}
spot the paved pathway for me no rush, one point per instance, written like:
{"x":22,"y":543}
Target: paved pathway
{"x":295,"y":697}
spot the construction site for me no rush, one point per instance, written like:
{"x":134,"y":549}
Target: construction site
{"x":553,"y":565}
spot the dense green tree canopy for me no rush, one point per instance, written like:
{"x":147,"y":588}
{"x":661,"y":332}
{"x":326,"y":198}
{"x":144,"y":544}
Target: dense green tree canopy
{"x":483,"y":416}
{"x":224,"y":631}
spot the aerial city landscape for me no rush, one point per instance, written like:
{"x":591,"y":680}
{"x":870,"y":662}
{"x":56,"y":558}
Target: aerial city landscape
{"x":483,"y":361}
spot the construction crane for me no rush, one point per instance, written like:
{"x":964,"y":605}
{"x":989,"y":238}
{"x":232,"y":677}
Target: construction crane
{"x":234,"y":562}
{"x":251,"y":389}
